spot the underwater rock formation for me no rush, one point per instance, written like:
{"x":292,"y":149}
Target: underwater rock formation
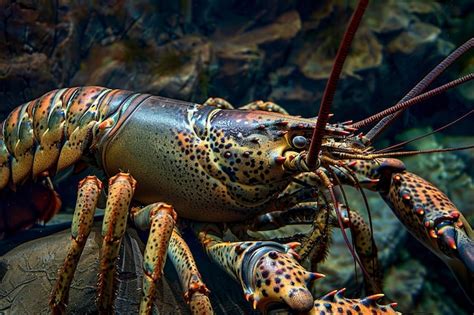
{"x":196,"y":49}
{"x":27,"y":277}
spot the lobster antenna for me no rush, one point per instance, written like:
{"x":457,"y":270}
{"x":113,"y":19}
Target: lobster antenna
{"x":364,"y":197}
{"x":426,"y":134}
{"x":330,"y":90}
{"x":398,"y":108}
{"x":346,"y":202}
{"x":344,"y":235}
{"x":421,"y":86}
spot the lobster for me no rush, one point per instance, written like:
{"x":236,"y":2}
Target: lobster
{"x":255,"y":167}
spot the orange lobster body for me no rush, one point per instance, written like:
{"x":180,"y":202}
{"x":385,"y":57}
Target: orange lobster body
{"x":178,"y":151}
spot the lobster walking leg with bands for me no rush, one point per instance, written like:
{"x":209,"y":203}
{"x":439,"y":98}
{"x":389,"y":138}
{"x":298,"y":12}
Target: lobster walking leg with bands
{"x":88,"y":194}
{"x":265,"y":106}
{"x":121,"y":188}
{"x":365,"y":248}
{"x":160,"y":219}
{"x":196,"y":292}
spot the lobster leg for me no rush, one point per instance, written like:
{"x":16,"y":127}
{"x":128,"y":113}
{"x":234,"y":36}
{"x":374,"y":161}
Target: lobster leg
{"x":267,"y":271}
{"x":335,"y":303}
{"x":121,"y":188}
{"x":265,"y":106}
{"x":218,"y":102}
{"x":196,"y":291}
{"x":88,"y":194}
{"x":255,"y":105}
{"x":313,"y":245}
{"x":160,"y":218}
{"x":427,"y":212}
{"x":365,"y":248}
{"x":316,"y":242}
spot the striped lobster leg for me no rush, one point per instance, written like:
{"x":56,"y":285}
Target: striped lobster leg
{"x":164,"y":238}
{"x":121,"y":189}
{"x":197,"y":294}
{"x":88,"y":194}
{"x":160,"y":219}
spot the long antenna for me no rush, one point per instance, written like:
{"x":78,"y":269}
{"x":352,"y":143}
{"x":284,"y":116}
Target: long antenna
{"x":401,"y":144}
{"x":421,"y":86}
{"x":415,"y":100}
{"x":330,"y":90}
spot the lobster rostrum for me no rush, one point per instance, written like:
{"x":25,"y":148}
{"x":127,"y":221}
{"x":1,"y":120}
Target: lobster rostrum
{"x":248,"y":167}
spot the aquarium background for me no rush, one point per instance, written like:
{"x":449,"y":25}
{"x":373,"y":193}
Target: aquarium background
{"x":280,"y":51}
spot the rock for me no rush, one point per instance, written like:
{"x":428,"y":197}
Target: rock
{"x":27,"y":276}
{"x":404,"y":283}
{"x":284,"y":28}
{"x":21,"y":77}
{"x":417,"y":34}
{"x":242,"y":57}
{"x":316,"y":57}
{"x":175,"y":69}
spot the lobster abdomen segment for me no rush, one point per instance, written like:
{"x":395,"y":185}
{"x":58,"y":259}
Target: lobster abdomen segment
{"x":53,"y":132}
{"x":42,"y":137}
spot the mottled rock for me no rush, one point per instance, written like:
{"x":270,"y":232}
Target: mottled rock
{"x":27,"y":276}
{"x":404,"y":283}
{"x":241,"y":58}
{"x":21,"y":77}
{"x":316,"y":58}
{"x":417,"y":34}
{"x":176,"y":69}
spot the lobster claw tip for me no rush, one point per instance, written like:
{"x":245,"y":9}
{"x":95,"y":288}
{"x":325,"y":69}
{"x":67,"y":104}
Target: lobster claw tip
{"x":312,"y":276}
{"x":461,"y":260}
{"x":447,"y":235}
{"x":465,"y":248}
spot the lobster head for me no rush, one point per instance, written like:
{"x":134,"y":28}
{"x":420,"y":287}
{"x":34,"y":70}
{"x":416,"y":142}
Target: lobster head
{"x":257,"y":147}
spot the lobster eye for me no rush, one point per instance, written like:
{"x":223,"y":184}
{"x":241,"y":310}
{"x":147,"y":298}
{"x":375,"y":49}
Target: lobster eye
{"x":299,"y":142}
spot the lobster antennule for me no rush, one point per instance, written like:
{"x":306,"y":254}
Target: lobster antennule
{"x":421,"y":86}
{"x":371,"y":156}
{"x":330,"y":90}
{"x":416,"y":152}
{"x":398,"y":108}
{"x":401,"y":144}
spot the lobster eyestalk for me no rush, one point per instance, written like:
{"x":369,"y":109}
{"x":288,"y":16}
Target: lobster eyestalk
{"x":330,"y":90}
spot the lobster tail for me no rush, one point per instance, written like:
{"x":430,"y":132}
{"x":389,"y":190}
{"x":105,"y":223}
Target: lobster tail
{"x":42,"y":137}
{"x":18,"y":212}
{"x":37,"y":136}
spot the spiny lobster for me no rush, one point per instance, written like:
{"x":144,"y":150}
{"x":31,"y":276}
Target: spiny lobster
{"x":249,"y":167}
